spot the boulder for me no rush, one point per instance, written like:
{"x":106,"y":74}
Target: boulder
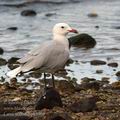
{"x":84,"y":105}
{"x":1,"y":51}
{"x":49,"y":99}
{"x":82,"y":40}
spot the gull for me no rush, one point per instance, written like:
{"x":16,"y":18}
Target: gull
{"x":49,"y":56}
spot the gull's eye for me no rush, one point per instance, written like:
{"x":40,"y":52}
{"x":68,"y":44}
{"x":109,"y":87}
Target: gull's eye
{"x":62,"y":27}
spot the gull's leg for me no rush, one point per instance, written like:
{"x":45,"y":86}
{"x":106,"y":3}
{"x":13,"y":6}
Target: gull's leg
{"x":45,"y":81}
{"x":53,"y":82}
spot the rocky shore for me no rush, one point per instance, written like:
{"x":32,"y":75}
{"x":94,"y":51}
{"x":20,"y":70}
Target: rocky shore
{"x":90,"y":100}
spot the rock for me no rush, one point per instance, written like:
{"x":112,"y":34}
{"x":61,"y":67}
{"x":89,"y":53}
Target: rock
{"x":87,"y":80}
{"x":93,"y":15}
{"x":49,"y":14}
{"x":97,"y":62}
{"x":116,"y":85}
{"x":12,"y":28}
{"x":82,"y":40}
{"x":84,"y":105}
{"x":117,"y":27}
{"x":13,"y":60}
{"x":58,"y":116}
{"x":28,"y":13}
{"x":49,"y":99}
{"x":1,"y":51}
{"x":70,"y":61}
{"x":36,"y":74}
{"x":99,"y":71}
{"x":65,"y":87}
{"x":118,"y":74}
{"x":97,"y":26}
{"x":113,"y":64}
{"x":95,"y":85}
{"x":2,"y":62}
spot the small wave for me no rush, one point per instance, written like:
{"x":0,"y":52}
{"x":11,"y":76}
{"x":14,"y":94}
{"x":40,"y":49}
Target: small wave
{"x":22,"y":3}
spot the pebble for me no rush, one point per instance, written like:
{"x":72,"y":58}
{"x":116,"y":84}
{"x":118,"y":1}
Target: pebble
{"x":97,"y":62}
{"x":12,"y":28}
{"x":2,"y":62}
{"x":28,"y":13}
{"x":113,"y":64}
{"x":118,"y":74}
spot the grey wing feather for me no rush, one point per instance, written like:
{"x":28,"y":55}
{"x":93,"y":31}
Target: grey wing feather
{"x":50,"y":56}
{"x":30,"y":55}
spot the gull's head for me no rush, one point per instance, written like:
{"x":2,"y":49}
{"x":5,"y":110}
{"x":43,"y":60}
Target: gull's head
{"x":63,"y":29}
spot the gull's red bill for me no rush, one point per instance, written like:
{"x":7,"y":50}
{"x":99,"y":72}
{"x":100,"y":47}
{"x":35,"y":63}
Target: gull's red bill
{"x":73,"y":30}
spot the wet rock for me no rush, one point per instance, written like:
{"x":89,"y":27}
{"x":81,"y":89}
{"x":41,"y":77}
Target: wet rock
{"x":70,"y":61}
{"x":65,"y":87}
{"x":97,"y":62}
{"x":82,"y":40}
{"x":118,"y":74}
{"x":12,"y":28}
{"x":13,"y":81}
{"x":117,"y":27}
{"x":36,"y":74}
{"x":13,"y":60}
{"x":2,"y":62}
{"x":94,"y":85}
{"x":113,"y":64}
{"x":28,"y":13}
{"x":99,"y":71}
{"x":116,"y":85}
{"x":59,"y":116}
{"x":49,"y":99}
{"x":1,"y":51}
{"x":93,"y":15}
{"x":12,"y":66}
{"x":49,"y":14}
{"x":87,"y":80}
{"x":84,"y":105}
{"x":97,"y":26}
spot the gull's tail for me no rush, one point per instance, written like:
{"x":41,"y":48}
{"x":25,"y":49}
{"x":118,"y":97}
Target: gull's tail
{"x":14,"y":72}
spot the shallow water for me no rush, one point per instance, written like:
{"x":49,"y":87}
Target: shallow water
{"x":34,"y":30}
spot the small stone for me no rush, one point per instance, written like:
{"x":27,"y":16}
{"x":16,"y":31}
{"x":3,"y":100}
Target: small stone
{"x":49,"y":14}
{"x":118,"y":74}
{"x":97,"y":26}
{"x":113,"y":64}
{"x":116,"y":85}
{"x":97,"y":62}
{"x":1,"y":51}
{"x":12,"y":28}
{"x":2,"y":62}
{"x":84,"y":105}
{"x":65,"y":87}
{"x":99,"y":71}
{"x":93,"y":15}
{"x":36,"y":74}
{"x":13,"y":60}
{"x":28,"y":13}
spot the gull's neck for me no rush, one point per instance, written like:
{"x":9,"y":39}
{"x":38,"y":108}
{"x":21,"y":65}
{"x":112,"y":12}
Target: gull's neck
{"x":62,"y":39}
